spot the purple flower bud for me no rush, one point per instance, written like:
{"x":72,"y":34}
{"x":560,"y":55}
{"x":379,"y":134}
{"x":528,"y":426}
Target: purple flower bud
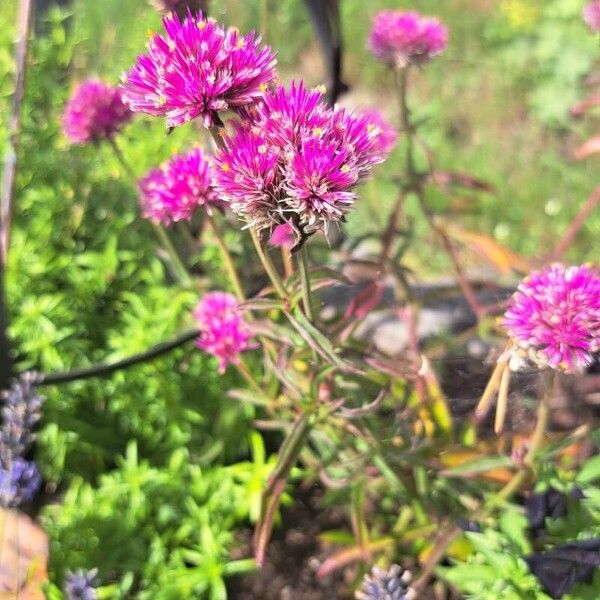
{"x":19,"y":482}
{"x":386,"y":585}
{"x":402,"y":38}
{"x":95,"y":111}
{"x":174,"y":191}
{"x":80,"y":585}
{"x":223,"y":331}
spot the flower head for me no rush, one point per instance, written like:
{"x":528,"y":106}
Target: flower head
{"x":283,"y":236}
{"x":591,"y":15}
{"x":381,"y":130}
{"x":175,"y":190}
{"x":401,"y":38}
{"x":223,"y":331}
{"x":555,"y":316}
{"x":95,"y":111}
{"x":20,"y":413}
{"x":198,"y":69}
{"x":386,"y":585}
{"x":19,"y":482}
{"x":81,"y":585}
{"x":295,"y":161}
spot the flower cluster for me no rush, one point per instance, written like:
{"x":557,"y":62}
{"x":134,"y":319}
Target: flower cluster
{"x":198,"y":69}
{"x":223,"y":331}
{"x":555,"y":316}
{"x":591,"y":15}
{"x":386,"y":585}
{"x":173,"y":192}
{"x":19,"y":478}
{"x":95,"y":111}
{"x":402,"y":38}
{"x":81,"y":585}
{"x":295,"y":159}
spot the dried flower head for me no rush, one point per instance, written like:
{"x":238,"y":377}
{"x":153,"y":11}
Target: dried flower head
{"x":386,"y":585}
{"x":223,"y":331}
{"x":199,"y":69}
{"x":591,"y":15}
{"x":381,"y":130}
{"x":402,"y":38}
{"x":95,"y":111}
{"x":295,"y":161}
{"x":175,"y":190}
{"x":19,"y":482}
{"x":554,"y":316}
{"x":180,"y":7}
{"x":20,"y":413}
{"x":81,"y":585}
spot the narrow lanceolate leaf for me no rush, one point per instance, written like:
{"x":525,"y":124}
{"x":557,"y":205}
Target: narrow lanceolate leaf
{"x":349,"y":555}
{"x":257,"y":304}
{"x":481,"y":464}
{"x":288,"y":455}
{"x":318,"y":342}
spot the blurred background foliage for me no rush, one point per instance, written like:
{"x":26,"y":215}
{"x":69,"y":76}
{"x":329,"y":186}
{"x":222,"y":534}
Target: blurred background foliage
{"x":141,"y":458}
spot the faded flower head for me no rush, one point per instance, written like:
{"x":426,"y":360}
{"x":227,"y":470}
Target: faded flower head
{"x":591,"y":15}
{"x":180,"y":7}
{"x":198,"y":69}
{"x":295,"y":161}
{"x":555,"y":316}
{"x":386,"y":585}
{"x":223,"y":331}
{"x":95,"y":111}
{"x":381,"y":130}
{"x":20,"y":413}
{"x":81,"y":585}
{"x":19,"y":482}
{"x":400,"y":38}
{"x":175,"y":190}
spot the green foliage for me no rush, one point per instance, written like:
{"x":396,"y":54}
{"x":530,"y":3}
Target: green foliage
{"x":166,"y":531}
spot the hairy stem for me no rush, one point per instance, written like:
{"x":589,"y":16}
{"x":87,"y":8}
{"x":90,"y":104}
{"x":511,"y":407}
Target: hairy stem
{"x":227,"y":258}
{"x":179,"y":268}
{"x":305,"y":283}
{"x":268,"y":265}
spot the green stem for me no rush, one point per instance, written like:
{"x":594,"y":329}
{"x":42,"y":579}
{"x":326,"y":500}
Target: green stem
{"x":407,"y":127}
{"x":305,"y":283}
{"x":227,"y":258}
{"x":182,"y":273}
{"x":502,"y":495}
{"x":245,"y":372}
{"x":268,"y":265}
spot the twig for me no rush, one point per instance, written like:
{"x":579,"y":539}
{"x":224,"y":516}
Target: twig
{"x":106,"y":369}
{"x":14,"y":127}
{"x":576,"y":224}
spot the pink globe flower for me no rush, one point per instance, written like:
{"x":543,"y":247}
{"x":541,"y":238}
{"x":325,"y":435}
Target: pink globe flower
{"x":296,"y":161}
{"x":223,"y":331}
{"x":401,"y":38}
{"x":175,"y":190}
{"x":591,"y":15}
{"x":95,"y":111}
{"x":198,"y":69}
{"x":555,"y":316}
{"x":381,"y":130}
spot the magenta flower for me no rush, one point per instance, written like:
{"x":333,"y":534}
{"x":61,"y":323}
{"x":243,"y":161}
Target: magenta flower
{"x":591,"y":15}
{"x":175,"y":190}
{"x":223,"y":331}
{"x":555,"y":316}
{"x":95,"y":111}
{"x":198,"y":69}
{"x":401,"y":38}
{"x":381,"y":130}
{"x":283,"y":236}
{"x":296,"y":161}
